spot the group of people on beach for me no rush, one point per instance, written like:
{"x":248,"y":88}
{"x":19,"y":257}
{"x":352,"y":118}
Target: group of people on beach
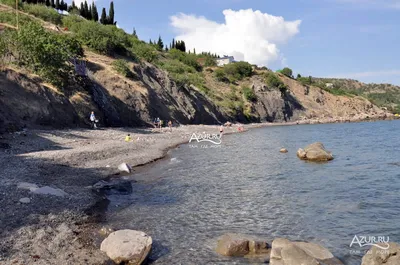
{"x":158,"y":123}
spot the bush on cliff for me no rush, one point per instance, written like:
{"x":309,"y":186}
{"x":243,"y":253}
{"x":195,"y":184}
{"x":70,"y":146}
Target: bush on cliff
{"x":43,"y":12}
{"x":274,"y":82}
{"x":43,"y":52}
{"x":121,"y":67}
{"x":249,"y":94}
{"x":238,"y":70}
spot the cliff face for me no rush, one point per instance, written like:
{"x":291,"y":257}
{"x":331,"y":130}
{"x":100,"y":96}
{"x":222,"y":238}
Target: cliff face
{"x":120,"y":101}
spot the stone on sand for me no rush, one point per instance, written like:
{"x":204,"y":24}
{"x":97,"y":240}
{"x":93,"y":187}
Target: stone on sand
{"x":124,"y":167}
{"x":127,"y":246}
{"x":25,"y":200}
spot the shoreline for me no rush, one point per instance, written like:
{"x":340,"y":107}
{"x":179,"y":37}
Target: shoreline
{"x":73,"y":160}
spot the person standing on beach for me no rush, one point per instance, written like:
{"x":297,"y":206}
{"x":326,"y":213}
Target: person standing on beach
{"x":221,"y":130}
{"x":93,"y":120}
{"x":170,"y":126}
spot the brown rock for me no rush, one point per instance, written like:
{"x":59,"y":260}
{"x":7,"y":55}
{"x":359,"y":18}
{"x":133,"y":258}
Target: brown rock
{"x":285,"y":252}
{"x":283,"y":150}
{"x":241,"y":245}
{"x":315,"y":152}
{"x":378,"y":256}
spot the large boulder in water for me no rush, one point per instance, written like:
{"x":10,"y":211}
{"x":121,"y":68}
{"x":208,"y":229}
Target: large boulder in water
{"x":314,"y":152}
{"x":378,"y":256}
{"x":286,"y":252}
{"x":239,"y":245}
{"x":127,"y":246}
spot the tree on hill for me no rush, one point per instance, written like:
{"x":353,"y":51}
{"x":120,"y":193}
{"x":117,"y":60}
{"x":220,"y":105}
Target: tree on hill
{"x":150,"y":42}
{"x":160,"y":43}
{"x":86,"y":10}
{"x":298,"y":76}
{"x":194,"y":50}
{"x":95,"y":14}
{"x":166,"y":47}
{"x":48,"y":3}
{"x":180,"y":45}
{"x":103,"y":18}
{"x":89,"y":13}
{"x":82,"y":10}
{"x":57,"y":4}
{"x":52,"y":4}
{"x":288,"y":72}
{"x":173,"y":44}
{"x":110,"y":18}
{"x":134,"y":33}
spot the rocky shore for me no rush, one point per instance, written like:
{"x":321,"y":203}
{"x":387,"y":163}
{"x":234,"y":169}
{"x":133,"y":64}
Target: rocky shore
{"x":50,"y":214}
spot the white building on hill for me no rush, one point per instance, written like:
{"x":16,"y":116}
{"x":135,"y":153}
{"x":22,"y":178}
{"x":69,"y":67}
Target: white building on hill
{"x":225,"y":60}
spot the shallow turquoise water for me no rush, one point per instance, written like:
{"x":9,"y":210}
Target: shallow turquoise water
{"x":197,"y":194}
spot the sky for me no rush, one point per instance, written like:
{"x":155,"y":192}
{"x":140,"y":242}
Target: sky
{"x":356,"y":39}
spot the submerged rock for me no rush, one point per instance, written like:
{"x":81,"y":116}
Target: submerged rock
{"x":378,"y":256}
{"x":24,"y":200}
{"x":315,"y":152}
{"x":283,"y":150}
{"x":286,"y":252}
{"x":238,"y":245}
{"x":113,"y":186}
{"x":46,"y":190}
{"x":127,"y":246}
{"x":27,"y":186}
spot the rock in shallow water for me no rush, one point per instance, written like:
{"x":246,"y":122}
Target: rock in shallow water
{"x":315,"y":152}
{"x":127,"y":246}
{"x":286,"y":252}
{"x":46,"y":190}
{"x":238,"y":245}
{"x":283,"y":150}
{"x":113,"y":186}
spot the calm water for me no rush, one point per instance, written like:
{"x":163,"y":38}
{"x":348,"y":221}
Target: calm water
{"x":197,"y":194}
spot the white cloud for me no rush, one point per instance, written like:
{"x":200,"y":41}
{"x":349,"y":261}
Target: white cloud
{"x":248,"y":35}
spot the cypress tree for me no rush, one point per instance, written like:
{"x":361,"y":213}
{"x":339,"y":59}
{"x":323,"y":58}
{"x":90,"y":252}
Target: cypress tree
{"x":134,"y":33}
{"x":73,"y":5}
{"x":62,"y":5}
{"x":103,"y":18}
{"x":86,"y":12}
{"x":160,"y":43}
{"x":82,"y":10}
{"x":52,"y":4}
{"x":57,"y":4}
{"x":89,"y":14}
{"x":48,"y":3}
{"x":166,"y":48}
{"x":150,"y":42}
{"x":95,"y":14}
{"x":173,"y":44}
{"x":194,"y":50}
{"x":111,"y":14}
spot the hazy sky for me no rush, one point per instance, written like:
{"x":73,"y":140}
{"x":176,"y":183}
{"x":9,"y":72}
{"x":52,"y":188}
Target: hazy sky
{"x":326,"y":38}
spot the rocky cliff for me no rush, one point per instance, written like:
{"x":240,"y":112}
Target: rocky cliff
{"x":121,"y":101}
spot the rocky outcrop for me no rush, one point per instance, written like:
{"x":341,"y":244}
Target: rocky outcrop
{"x":285,"y":252}
{"x":127,"y":246}
{"x":314,"y":152}
{"x":379,"y":256}
{"x":283,"y":150}
{"x":239,"y":245}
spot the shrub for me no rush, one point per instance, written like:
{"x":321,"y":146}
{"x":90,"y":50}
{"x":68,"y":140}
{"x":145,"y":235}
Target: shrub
{"x":273,"y":81}
{"x":43,"y":12}
{"x":188,"y":59}
{"x":238,"y":70}
{"x":221,"y":76}
{"x":249,"y":94}
{"x":210,"y":62}
{"x":45,"y":53}
{"x":105,"y":39}
{"x":121,"y":67}
{"x":288,"y":72}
